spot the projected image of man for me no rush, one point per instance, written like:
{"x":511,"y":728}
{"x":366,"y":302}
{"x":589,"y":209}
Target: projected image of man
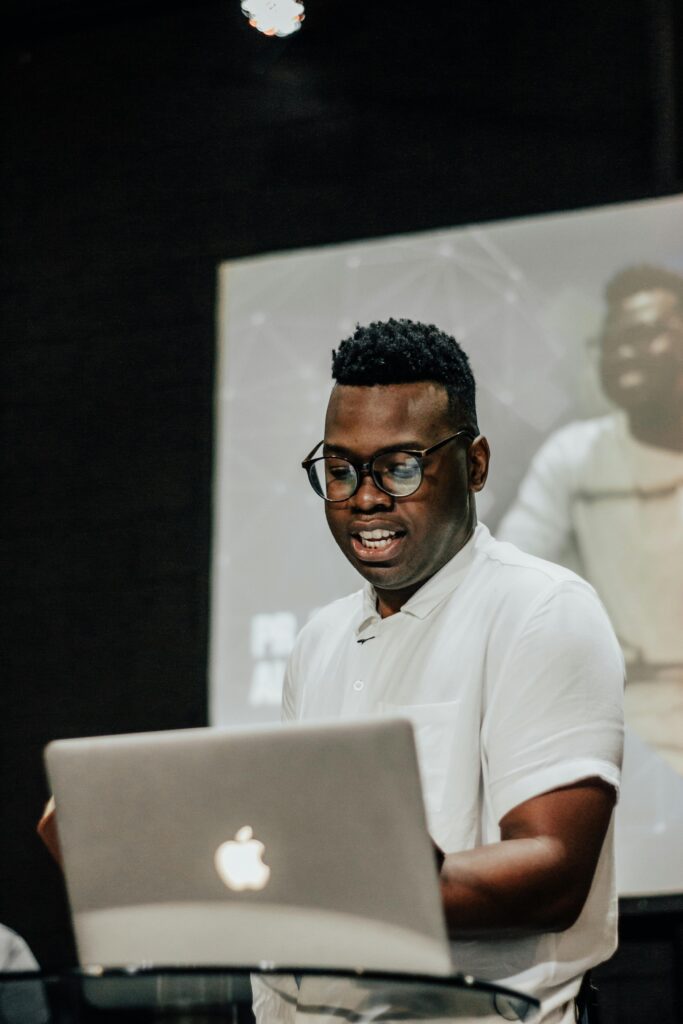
{"x":610,"y":490}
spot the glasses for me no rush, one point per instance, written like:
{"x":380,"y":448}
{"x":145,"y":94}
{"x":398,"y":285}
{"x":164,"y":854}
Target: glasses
{"x":396,"y":472}
{"x":630,"y":340}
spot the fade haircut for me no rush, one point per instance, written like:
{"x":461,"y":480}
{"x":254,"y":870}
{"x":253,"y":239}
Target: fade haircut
{"x":404,"y":351}
{"x":642,"y":278}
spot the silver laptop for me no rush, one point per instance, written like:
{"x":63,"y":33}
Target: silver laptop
{"x":299,"y":845}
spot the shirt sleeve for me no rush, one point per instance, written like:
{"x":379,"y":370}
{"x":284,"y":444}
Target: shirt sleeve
{"x":555,"y":712}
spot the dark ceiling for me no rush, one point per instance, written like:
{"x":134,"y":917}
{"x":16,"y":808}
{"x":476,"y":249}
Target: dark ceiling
{"x":595,"y":65}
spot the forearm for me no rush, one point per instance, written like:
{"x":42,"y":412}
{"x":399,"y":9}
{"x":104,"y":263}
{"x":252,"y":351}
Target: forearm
{"x":519,"y":885}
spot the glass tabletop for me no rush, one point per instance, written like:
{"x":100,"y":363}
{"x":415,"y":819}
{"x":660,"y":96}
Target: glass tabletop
{"x":262,"y":994}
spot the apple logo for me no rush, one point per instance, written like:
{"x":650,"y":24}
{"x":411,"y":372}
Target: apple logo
{"x":239,"y":862}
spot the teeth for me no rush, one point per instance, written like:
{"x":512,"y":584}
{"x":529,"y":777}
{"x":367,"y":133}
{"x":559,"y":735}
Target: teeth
{"x":376,"y":538}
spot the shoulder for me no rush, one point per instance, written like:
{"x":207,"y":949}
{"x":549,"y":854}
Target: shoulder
{"x":572,"y":444}
{"x":524,"y":590}
{"x":516,"y":570}
{"x":15,"y":954}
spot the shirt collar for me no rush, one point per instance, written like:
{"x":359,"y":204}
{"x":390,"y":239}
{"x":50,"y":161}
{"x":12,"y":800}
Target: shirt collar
{"x":431,"y":593}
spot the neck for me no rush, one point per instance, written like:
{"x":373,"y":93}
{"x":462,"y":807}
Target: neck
{"x":391,"y":601}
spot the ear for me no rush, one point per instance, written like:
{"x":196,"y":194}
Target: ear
{"x":478,"y":458}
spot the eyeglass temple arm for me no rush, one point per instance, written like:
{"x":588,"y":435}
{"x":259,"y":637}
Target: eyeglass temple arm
{"x":311,"y":454}
{"x":440,"y":444}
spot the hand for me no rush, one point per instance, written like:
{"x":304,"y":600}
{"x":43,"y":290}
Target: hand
{"x":47,"y":830}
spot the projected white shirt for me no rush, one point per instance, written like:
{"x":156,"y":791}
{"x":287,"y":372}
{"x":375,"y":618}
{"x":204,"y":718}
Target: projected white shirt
{"x":512,"y":676}
{"x":595,"y":492}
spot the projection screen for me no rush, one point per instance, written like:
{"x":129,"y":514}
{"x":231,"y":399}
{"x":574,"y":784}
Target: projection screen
{"x":525,"y":298}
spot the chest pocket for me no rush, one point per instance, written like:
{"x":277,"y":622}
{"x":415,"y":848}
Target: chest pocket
{"x":435,"y":739}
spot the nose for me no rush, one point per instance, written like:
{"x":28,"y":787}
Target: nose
{"x":369,"y":496}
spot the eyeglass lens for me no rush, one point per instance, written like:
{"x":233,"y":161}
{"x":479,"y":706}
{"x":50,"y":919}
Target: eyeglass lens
{"x":336,"y":479}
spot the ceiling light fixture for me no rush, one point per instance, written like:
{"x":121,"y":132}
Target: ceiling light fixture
{"x":274,"y":17}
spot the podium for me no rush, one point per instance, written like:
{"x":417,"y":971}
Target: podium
{"x":239,"y":996}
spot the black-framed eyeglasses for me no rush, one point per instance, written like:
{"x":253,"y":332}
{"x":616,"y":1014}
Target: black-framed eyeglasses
{"x":396,"y":472}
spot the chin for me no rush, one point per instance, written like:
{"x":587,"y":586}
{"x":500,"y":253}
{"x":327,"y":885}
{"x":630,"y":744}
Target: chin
{"x":641,"y":401}
{"x":385,"y":578}
{"x":649,"y":392}
{"x":375,"y":575}
{"x":369,"y":571}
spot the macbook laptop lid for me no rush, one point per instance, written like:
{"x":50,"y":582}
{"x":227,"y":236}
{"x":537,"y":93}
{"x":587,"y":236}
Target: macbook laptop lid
{"x":298,"y":845}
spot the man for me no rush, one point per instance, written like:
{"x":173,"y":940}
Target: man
{"x":506,"y":664}
{"x":610,"y":491}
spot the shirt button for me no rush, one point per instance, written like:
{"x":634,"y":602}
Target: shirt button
{"x":358,"y":685}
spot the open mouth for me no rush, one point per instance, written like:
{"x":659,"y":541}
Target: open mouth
{"x":631,"y":379}
{"x":376,"y":544}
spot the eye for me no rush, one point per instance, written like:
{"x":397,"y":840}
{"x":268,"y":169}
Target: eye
{"x":339,"y":470}
{"x":402,"y":470}
{"x":398,"y":466}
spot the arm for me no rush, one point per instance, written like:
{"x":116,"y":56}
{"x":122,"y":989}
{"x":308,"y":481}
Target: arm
{"x":538,"y":877}
{"x":539,"y":520}
{"x":551,"y":744}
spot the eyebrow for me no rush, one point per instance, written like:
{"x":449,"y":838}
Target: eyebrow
{"x":402,"y":446}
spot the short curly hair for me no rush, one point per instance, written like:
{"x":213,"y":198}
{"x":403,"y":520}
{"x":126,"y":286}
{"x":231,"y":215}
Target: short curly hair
{"x":641,"y":278}
{"x":403,"y":351}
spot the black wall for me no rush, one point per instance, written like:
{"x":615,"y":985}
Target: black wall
{"x":143,"y":143}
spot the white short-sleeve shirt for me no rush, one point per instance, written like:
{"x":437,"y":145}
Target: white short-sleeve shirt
{"x":510,"y":671}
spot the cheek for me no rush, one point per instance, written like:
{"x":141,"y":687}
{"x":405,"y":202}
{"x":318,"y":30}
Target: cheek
{"x":609,"y":377}
{"x":442,"y":518}
{"x":336,"y":522}
{"x":451,"y":495}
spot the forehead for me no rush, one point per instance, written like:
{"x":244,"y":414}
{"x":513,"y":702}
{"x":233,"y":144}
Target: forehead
{"x":368,"y":418}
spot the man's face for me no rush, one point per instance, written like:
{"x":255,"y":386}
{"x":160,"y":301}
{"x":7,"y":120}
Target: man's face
{"x":642,"y":351}
{"x":429,"y":526}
